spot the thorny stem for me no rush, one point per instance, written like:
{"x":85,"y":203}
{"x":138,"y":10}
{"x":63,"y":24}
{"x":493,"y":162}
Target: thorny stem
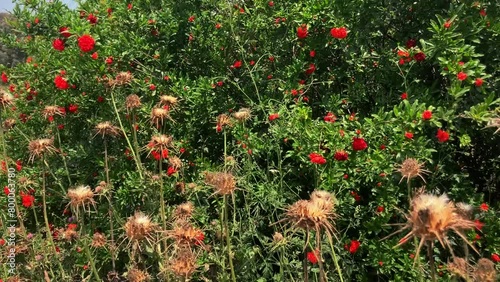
{"x":162,"y":200}
{"x":47,"y":226}
{"x":134,"y":153}
{"x":322,"y":276}
{"x":63,"y":157}
{"x":335,"y":260}
{"x":87,"y":250}
{"x":304,"y":262}
{"x":110,"y":210}
{"x":430,"y":254}
{"x":228,"y":239}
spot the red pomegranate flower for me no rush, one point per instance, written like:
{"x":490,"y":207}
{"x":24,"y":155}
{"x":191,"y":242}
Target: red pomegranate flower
{"x":341,"y":155}
{"x":312,"y":257}
{"x":311,"y":69}
{"x":461,"y":76}
{"x":273,"y":116}
{"x":330,"y":117}
{"x":404,"y":96}
{"x":5,"y":79}
{"x":359,"y":144}
{"x":354,"y":246}
{"x":442,"y":136}
{"x":339,"y":32}
{"x":237,"y":64}
{"x":73,"y":108}
{"x":484,"y":207}
{"x":171,"y":170}
{"x":409,"y":135}
{"x":27,"y":200}
{"x":86,"y":43}
{"x":426,"y":115}
{"x":64,"y":31}
{"x":419,"y":57}
{"x":478,"y":82}
{"x":61,"y":83}
{"x":302,"y":31}
{"x":495,"y":258}
{"x":316,"y":158}
{"x":58,"y":44}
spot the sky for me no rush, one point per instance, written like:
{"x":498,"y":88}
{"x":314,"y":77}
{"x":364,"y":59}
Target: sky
{"x":7,"y":5}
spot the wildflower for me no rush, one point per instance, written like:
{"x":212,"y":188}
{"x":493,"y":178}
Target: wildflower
{"x":311,"y":69}
{"x":58,"y":44}
{"x":98,"y":240}
{"x":86,"y":43}
{"x":80,"y":197}
{"x":447,"y":24}
{"x":27,"y":199}
{"x":302,"y":31}
{"x":426,"y":115}
{"x":380,"y":209}
{"x":408,"y":135}
{"x":312,"y":53}
{"x":64,"y":31}
{"x":237,"y":64}
{"x":136,"y":275}
{"x":484,"y":207}
{"x":419,"y":57}
{"x":158,"y":115}
{"x":330,"y":117}
{"x":184,"y":211}
{"x":73,"y":108}
{"x":94,"y":56}
{"x":40,"y":147}
{"x":495,"y":258}
{"x":132,"y":102}
{"x":442,"y":136}
{"x":243,"y":114}
{"x":139,"y":227}
{"x":5,"y":79}
{"x":51,"y":111}
{"x":224,"y":183}
{"x":317,"y":158}
{"x":404,"y":96}
{"x":61,"y":83}
{"x":92,"y":19}
{"x":106,"y":129}
{"x":273,"y":116}
{"x":359,"y":144}
{"x":338,"y":32}
{"x":411,"y":168}
{"x":461,"y":76}
{"x":354,"y":246}
{"x":478,"y":82}
{"x":312,"y":257}
{"x":341,"y":155}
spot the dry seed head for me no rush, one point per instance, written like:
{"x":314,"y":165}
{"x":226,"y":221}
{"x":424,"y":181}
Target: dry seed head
{"x":132,"y":102}
{"x":107,"y":129}
{"x":242,"y":115}
{"x":50,"y":111}
{"x":122,"y":78}
{"x":459,"y":267}
{"x":184,"y":264}
{"x":9,"y":123}
{"x":68,"y":234}
{"x":40,"y":147}
{"x":98,"y":240}
{"x":180,"y":187}
{"x":485,"y":271}
{"x":6,"y":99}
{"x":158,"y":115}
{"x":316,"y":213}
{"x":465,"y":210}
{"x":494,"y":122}
{"x":175,"y":162}
{"x":139,"y":227}
{"x":184,"y":211}
{"x":323,"y":199}
{"x":224,"y":183}
{"x":80,"y":196}
{"x":277,"y":237}
{"x":167,"y":100}
{"x":223,"y":120}
{"x":411,"y":168}
{"x":136,"y":275}
{"x":160,"y":142}
{"x":184,"y":234}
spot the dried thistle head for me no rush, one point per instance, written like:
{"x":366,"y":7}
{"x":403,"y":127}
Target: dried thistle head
{"x":9,"y":123}
{"x":175,"y":162}
{"x":323,"y":199}
{"x":69,"y":234}
{"x":184,"y":263}
{"x":180,"y":187}
{"x":411,"y":168}
{"x":98,"y":240}
{"x":184,"y":234}
{"x":431,"y":217}
{"x":494,"y":122}
{"x":169,"y":101}
{"x":122,"y":78}
{"x":134,"y":274}
{"x":184,"y":211}
{"x":277,"y":237}
{"x":159,"y":143}
{"x":158,"y":115}
{"x":242,"y":115}
{"x":6,"y":99}
{"x":464,"y":209}
{"x":485,"y":271}
{"x":50,"y":111}
{"x":105,"y":128}
{"x":224,"y":183}
{"x":223,"y":120}
{"x":459,"y":267}
{"x":132,"y":102}
{"x":80,"y":197}
{"x":41,"y":147}
{"x":139,"y":227}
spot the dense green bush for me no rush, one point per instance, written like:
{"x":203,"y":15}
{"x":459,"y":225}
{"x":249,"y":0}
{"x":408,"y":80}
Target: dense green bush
{"x":288,"y":98}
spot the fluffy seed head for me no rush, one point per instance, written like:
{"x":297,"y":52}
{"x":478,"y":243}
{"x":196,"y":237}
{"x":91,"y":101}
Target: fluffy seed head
{"x":80,"y":196}
{"x":6,"y":99}
{"x":136,"y":275}
{"x":167,"y":100}
{"x":50,"y":111}
{"x":122,"y":78}
{"x":139,"y":227}
{"x":40,"y":147}
{"x":224,"y":183}
{"x":223,"y":120}
{"x":107,"y":129}
{"x":411,"y":168}
{"x":184,"y":264}
{"x":9,"y":123}
{"x":158,"y":115}
{"x":242,"y":115}
{"x":485,"y":271}
{"x":184,"y":211}
{"x":175,"y":162}
{"x":459,"y":267}
{"x":98,"y":240}
{"x":132,"y":102}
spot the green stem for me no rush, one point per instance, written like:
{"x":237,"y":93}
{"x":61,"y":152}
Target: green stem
{"x":322,"y":276}
{"x":430,"y":254}
{"x":134,"y":153}
{"x":335,"y":260}
{"x":63,"y":157}
{"x":87,"y":250}
{"x":110,"y":202}
{"x":228,"y":239}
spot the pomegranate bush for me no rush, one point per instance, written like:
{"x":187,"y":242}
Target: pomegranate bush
{"x":251,"y":141}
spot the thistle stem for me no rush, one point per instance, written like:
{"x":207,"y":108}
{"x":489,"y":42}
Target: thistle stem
{"x":322,"y":276}
{"x":87,"y":250}
{"x":110,"y":210}
{"x":228,"y":239}
{"x":63,"y":157}
{"x":335,"y":260}
{"x":430,"y":254}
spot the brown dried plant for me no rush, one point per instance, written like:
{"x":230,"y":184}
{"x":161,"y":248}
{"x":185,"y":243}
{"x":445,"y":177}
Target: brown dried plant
{"x":159,"y":115}
{"x":184,"y":211}
{"x":224,"y":183}
{"x":139,"y":227}
{"x":134,"y":274}
{"x":105,"y":128}
{"x":6,"y":99}
{"x":80,"y":197}
{"x":485,"y":271}
{"x":411,"y":168}
{"x":494,"y":122}
{"x":133,"y":102}
{"x":184,"y":263}
{"x":169,"y":101}
{"x":242,"y":115}
{"x":122,"y":78}
{"x":50,"y":111}
{"x":41,"y":147}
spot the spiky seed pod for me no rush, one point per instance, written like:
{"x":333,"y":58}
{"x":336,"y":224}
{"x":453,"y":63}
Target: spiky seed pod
{"x":69,"y":234}
{"x":459,"y":267}
{"x":242,"y":115}
{"x":223,"y":120}
{"x":324,"y":199}
{"x":80,"y":197}
{"x":465,"y":210}
{"x":184,"y":234}
{"x":105,"y":128}
{"x":6,"y":99}
{"x":158,"y":115}
{"x":184,"y":264}
{"x":41,"y":147}
{"x":180,"y":187}
{"x":167,"y":100}
{"x":431,"y":217}
{"x":50,"y":111}
{"x":175,"y":162}
{"x":139,"y":227}
{"x":224,"y":183}
{"x":113,"y":276}
{"x":159,"y":143}
{"x":411,"y":168}
{"x":485,"y":271}
{"x":122,"y":78}
{"x":184,"y":211}
{"x":98,"y":240}
{"x":277,"y":237}
{"x":9,"y":123}
{"x":133,"y":102}
{"x":494,"y":122}
{"x":136,"y":275}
